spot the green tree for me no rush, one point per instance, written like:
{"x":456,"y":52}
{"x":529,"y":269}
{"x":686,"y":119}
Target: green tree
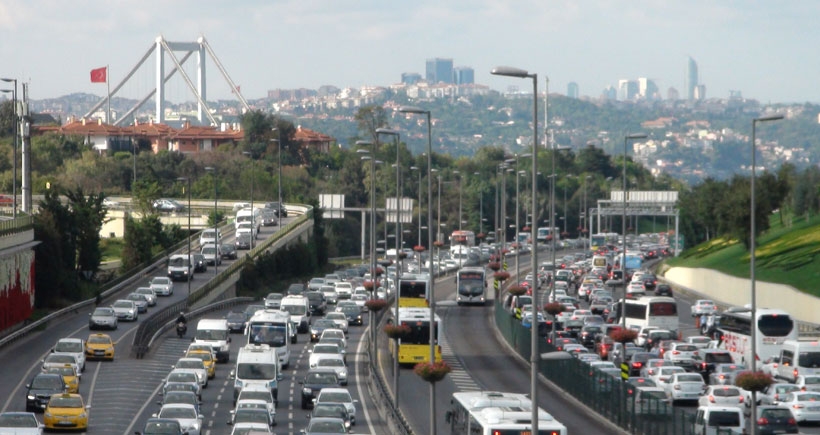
{"x":88,"y":214}
{"x":368,"y":119}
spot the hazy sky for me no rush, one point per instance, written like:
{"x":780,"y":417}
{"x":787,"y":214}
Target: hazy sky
{"x":765,"y":49}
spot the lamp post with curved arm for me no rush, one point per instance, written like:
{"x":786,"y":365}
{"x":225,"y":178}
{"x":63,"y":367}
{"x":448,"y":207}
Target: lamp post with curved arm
{"x":216,"y":213}
{"x":188,"y":179}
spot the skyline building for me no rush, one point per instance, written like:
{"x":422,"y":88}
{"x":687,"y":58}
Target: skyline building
{"x":691,"y":79}
{"x":463,"y":75}
{"x":627,"y":89}
{"x":439,"y":70}
{"x":572,"y":90}
{"x":410,"y":78}
{"x":647,"y":89}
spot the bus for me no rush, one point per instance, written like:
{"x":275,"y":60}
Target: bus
{"x":464,"y":238}
{"x":414,"y":347}
{"x":543,"y":234}
{"x":275,"y":329}
{"x":497,"y":413}
{"x":658,"y":311}
{"x":597,"y":241}
{"x":772,"y":328}
{"x":413,"y":290}
{"x":471,"y":283}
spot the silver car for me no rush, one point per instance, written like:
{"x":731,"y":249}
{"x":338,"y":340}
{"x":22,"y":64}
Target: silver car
{"x":126,"y":310}
{"x":149,"y":294}
{"x":162,"y":286}
{"x":102,"y":317}
{"x":139,"y":300}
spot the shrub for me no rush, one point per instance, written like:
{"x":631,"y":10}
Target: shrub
{"x":432,"y":372}
{"x":624,"y":335}
{"x":396,"y":332}
{"x":554,"y":308}
{"x":753,"y":381}
{"x":375,"y":305}
{"x":501,"y":276}
{"x":495,"y":266}
{"x":516,"y":290}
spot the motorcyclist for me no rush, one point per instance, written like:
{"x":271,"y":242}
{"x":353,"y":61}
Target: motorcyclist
{"x":182,"y":319}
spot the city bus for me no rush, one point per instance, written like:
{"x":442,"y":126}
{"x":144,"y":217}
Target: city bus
{"x":274,"y":328}
{"x":464,"y":238}
{"x":543,"y":234}
{"x":658,"y":311}
{"x":597,"y":241}
{"x":471,"y":285}
{"x":413,"y":290}
{"x":414,"y":347}
{"x":772,"y":328}
{"x":497,"y":413}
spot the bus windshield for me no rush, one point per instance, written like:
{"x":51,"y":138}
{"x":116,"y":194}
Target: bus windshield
{"x":773,"y":325}
{"x":419,"y":333}
{"x":470,"y":283}
{"x":272,"y":335}
{"x":412,"y":289}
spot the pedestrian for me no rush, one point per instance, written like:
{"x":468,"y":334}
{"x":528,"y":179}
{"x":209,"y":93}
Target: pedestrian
{"x":98,"y":299}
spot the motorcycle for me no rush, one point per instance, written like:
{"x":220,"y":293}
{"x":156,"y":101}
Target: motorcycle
{"x":182,"y":328}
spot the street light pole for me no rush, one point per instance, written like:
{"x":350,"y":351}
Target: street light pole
{"x":623,"y":225}
{"x":253,"y":214}
{"x":14,"y":146}
{"x":584,"y":225}
{"x":480,"y":207}
{"x":752,"y":257}
{"x":216,"y":214}
{"x":415,"y":168}
{"x":279,"y":176}
{"x":534,"y":351}
{"x":188,"y":179}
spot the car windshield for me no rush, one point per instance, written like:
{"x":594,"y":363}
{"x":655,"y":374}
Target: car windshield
{"x":123,"y":304}
{"x":256,"y":371}
{"x":65,"y":402}
{"x":190,"y":364}
{"x":330,"y":410}
{"x":162,"y":428}
{"x":177,"y":412}
{"x":325,"y":348}
{"x":726,"y":392}
{"x":180,"y":397}
{"x":9,"y":420}
{"x":61,"y":359}
{"x":165,"y":281}
{"x":47,"y":383}
{"x":103,"y":312}
{"x":295,"y":310}
{"x":336,"y":397}
{"x":64,"y":371}
{"x":326,"y":427}
{"x":330,"y":362}
{"x":211,"y":334}
{"x":690,"y":378}
{"x":320,"y":378}
{"x":181,"y":377}
{"x":249,"y":415}
{"x":255,"y":395}
{"x":69,"y":346}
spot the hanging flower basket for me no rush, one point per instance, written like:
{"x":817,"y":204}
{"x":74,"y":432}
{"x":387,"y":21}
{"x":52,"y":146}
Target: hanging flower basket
{"x":549,"y":237}
{"x":419,"y":248}
{"x":505,"y":251}
{"x":494,"y":266}
{"x":438,"y":243}
{"x":396,"y":332}
{"x":554,"y":308}
{"x":564,"y":235}
{"x":516,"y":290}
{"x":385,"y":263}
{"x":624,"y":335}
{"x":432,"y":372}
{"x":493,"y":258}
{"x":480,"y":236}
{"x":375,"y":305}
{"x":379,"y":271}
{"x":402,"y":255}
{"x":514,"y":245}
{"x":368,"y":285}
{"x":753,"y":381}
{"x":501,"y":276}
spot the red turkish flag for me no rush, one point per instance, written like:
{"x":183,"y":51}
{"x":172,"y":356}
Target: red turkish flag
{"x":99,"y":75}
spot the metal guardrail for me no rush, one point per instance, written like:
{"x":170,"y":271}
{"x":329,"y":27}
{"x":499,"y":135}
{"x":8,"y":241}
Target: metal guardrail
{"x":149,"y":328}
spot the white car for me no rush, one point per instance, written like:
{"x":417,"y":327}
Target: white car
{"x":722,"y":395}
{"x":803,"y":406}
{"x":20,"y":423}
{"x":699,"y":341}
{"x":340,"y":319}
{"x":703,"y":306}
{"x":683,"y":386}
{"x":162,"y":286}
{"x":321,"y":350}
{"x":334,"y":333}
{"x":60,"y":360}
{"x":189,"y":420}
{"x":360,"y":301}
{"x":258,"y":392}
{"x":664,"y":373}
{"x":338,"y":395}
{"x":343,"y":289}
{"x":71,"y":346}
{"x":150,"y":295}
{"x":195,"y":365}
{"x":682,"y":354}
{"x":642,"y":334}
{"x":125,"y":309}
{"x":336,"y":363}
{"x":808,"y":382}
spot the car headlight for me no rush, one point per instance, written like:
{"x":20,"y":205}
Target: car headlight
{"x":307,"y":391}
{"x":342,"y":374}
{"x":30,"y":397}
{"x":83,"y":415}
{"x":47,"y":414}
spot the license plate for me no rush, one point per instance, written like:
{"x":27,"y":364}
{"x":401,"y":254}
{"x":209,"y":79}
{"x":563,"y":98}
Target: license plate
{"x":418,"y":358}
{"x":813,"y":409}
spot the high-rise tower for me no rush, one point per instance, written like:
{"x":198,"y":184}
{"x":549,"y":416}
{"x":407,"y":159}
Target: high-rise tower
{"x":691,"y":79}
{"x":439,"y":70}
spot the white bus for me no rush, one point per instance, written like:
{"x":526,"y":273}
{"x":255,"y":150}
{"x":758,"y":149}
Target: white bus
{"x":772,"y":328}
{"x":471,"y":283}
{"x":658,"y":311}
{"x":497,"y":413}
{"x":274,"y":328}
{"x":543,"y":234}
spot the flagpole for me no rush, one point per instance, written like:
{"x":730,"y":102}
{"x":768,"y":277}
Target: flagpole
{"x":108,"y":86}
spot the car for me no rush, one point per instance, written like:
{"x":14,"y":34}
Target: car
{"x":344,"y":290}
{"x":337,"y":363}
{"x":280,"y":209}
{"x":775,"y":420}
{"x":229,"y":251}
{"x":683,"y":386}
{"x":314,"y":381}
{"x":41,"y":388}
{"x":338,"y":395}
{"x":663,"y":373}
{"x":319,"y":326}
{"x":709,"y":358}
{"x":331,"y":297}
{"x":258,"y":392}
{"x":212,"y":254}
{"x":703,"y":306}
{"x":71,"y":346}
{"x":66,"y":411}
{"x":150,"y":295}
{"x":20,"y":423}
{"x":638,"y":360}
{"x":161,"y":426}
{"x":102,"y":317}
{"x":663,"y":290}
{"x":334,"y":335}
{"x":635,"y":289}
{"x":188,"y":397}
{"x":649,"y":281}
{"x":331,"y":410}
{"x":643,"y":333}
{"x":61,"y":359}
{"x":186,"y":414}
{"x":167,"y":205}
{"x":249,"y":416}
{"x":325,"y":426}
{"x":699,"y":341}
{"x":162,"y":286}
{"x":721,"y":395}
{"x":656,"y":336}
{"x":209,"y":235}
{"x":682,"y":354}
{"x":195,"y":365}
{"x":725,"y":373}
{"x":70,"y":375}
{"x":183,"y":377}
{"x":804,"y":405}
{"x":274,"y":300}
{"x":360,"y":301}
{"x":651,"y":366}
{"x":126,"y":309}
{"x":236,"y":321}
{"x":353,"y":314}
{"x":320,"y":350}
{"x":318,"y":302}
{"x":100,"y":346}
{"x":206,"y":355}
{"x":775,"y":393}
{"x":316,"y":283}
{"x":139,"y":300}
{"x":589,"y":335}
{"x":650,"y":402}
{"x":340,"y":319}
{"x":808,"y":382}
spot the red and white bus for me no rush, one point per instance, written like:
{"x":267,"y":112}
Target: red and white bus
{"x":772,"y":328}
{"x":462,"y":238}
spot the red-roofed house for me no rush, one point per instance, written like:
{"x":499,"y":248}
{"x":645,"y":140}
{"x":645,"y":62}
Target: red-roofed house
{"x":192,"y":139}
{"x":309,"y":139}
{"x":155,"y":133}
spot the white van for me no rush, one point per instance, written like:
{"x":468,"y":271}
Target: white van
{"x":712,"y":420}
{"x":799,"y":358}
{"x":257,"y":364}
{"x":207,"y":236}
{"x":299,"y":309}
{"x":215,"y":333}
{"x":254,"y":216}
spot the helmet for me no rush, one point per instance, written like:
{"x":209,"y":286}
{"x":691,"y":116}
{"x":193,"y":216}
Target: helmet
{"x":181,"y":313}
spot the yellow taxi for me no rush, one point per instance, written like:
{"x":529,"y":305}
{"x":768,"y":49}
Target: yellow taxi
{"x":207,"y":358}
{"x":99,"y":346}
{"x":70,"y":377}
{"x":66,"y":411}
